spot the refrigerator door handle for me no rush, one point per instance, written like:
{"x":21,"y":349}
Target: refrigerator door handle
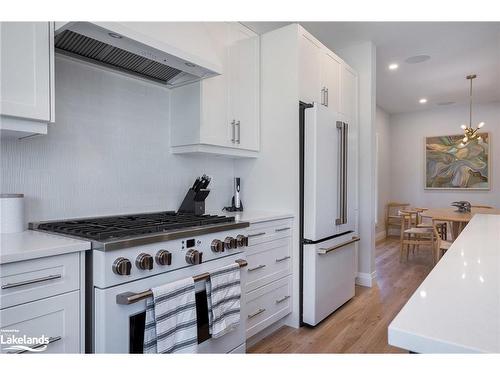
{"x":323,"y":251}
{"x":342,"y":128}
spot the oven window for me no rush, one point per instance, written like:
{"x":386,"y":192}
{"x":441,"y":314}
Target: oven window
{"x":137,"y":323}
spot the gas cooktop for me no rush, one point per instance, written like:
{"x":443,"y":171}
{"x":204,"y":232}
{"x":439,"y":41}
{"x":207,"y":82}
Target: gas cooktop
{"x":115,"y":228}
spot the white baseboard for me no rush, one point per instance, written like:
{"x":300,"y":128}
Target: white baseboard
{"x":380,"y":236}
{"x":366,"y":279}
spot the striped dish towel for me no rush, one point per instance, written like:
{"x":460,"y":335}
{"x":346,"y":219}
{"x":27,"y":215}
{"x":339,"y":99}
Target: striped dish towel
{"x":223,"y":298}
{"x":171,"y":319}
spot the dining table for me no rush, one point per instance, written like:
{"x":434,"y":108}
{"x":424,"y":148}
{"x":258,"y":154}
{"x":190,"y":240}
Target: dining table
{"x":458,"y":220}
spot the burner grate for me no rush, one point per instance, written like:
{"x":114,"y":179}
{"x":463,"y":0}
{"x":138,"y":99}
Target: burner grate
{"x":117,"y":227}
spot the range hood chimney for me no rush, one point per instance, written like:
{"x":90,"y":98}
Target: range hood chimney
{"x":95,"y":44}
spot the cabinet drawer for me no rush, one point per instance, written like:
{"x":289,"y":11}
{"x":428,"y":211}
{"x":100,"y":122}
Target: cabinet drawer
{"x":269,"y":231}
{"x":31,"y":280}
{"x":56,"y":319}
{"x":268,"y":304}
{"x":268,"y":262}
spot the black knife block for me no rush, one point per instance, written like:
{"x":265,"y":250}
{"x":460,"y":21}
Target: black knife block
{"x":194,"y":202}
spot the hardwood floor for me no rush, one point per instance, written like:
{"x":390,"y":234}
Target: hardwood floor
{"x":360,"y":326}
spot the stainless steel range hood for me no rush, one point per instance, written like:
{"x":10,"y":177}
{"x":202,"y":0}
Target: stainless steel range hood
{"x":103,"y":46}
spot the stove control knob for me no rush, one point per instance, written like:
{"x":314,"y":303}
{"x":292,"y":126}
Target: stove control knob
{"x":242,"y":240}
{"x":122,"y":266}
{"x":217,"y":246}
{"x":144,"y":261}
{"x":194,"y":256}
{"x":164,"y":258}
{"x":230,"y":243}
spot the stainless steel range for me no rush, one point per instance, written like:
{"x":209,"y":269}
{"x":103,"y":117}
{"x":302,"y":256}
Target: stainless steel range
{"x":133,"y":253}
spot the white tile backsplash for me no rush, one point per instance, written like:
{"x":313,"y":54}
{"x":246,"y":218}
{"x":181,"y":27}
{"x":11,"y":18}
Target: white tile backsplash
{"x":107,"y":153}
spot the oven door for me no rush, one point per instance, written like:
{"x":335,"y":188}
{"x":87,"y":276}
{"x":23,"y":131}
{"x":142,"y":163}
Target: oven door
{"x":120,"y":328}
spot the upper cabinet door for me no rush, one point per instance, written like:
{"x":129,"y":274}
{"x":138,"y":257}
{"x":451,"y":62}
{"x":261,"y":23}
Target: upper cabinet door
{"x":244,"y":87}
{"x":348,"y":100}
{"x":214,"y":92}
{"x":309,"y":70}
{"x":330,"y":81}
{"x":27,"y":70}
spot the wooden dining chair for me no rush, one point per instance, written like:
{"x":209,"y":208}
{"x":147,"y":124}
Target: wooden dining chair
{"x":442,"y":226}
{"x":392,"y":216}
{"x":440,"y":246}
{"x":412,"y":236}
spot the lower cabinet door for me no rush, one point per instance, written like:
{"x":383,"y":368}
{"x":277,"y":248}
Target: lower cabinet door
{"x":267,"y":305}
{"x":50,"y":325}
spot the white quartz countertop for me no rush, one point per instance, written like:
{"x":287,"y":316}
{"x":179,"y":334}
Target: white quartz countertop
{"x":257,"y":216}
{"x":32,"y":244}
{"x":457,"y":307}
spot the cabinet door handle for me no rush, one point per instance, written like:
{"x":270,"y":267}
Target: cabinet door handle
{"x":256,"y":234}
{"x":259,"y":311}
{"x":323,"y":96}
{"x":233,"y":130}
{"x":257,"y":268}
{"x":238,"y":139}
{"x":282,"y":229}
{"x":282,"y":299}
{"x":32,"y":281}
{"x":34,"y":347}
{"x":326,"y":96}
{"x":283,"y":259}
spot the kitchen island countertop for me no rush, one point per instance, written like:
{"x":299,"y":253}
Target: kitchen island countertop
{"x":457,"y":307}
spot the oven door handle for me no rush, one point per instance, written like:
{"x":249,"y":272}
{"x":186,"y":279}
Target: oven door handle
{"x":128,"y":298}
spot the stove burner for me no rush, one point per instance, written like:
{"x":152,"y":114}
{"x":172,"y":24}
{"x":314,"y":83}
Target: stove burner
{"x":117,"y":227}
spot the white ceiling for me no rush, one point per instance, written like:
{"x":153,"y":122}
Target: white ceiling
{"x":456,"y":49}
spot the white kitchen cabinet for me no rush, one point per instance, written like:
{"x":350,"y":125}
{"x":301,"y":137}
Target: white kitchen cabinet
{"x":330,"y":80}
{"x":220,"y":115}
{"x":27,"y":76}
{"x":244,"y":87}
{"x":309,"y":62}
{"x":348,"y":99}
{"x":53,"y":318}
{"x":325,"y":78}
{"x":268,"y":284}
{"x":45,"y":296}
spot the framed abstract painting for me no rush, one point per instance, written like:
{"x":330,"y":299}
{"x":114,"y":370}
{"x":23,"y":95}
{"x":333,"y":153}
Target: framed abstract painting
{"x":451,"y":165}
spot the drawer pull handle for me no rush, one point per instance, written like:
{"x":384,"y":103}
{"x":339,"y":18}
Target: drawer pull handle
{"x":282,"y":229}
{"x":33,"y":281}
{"x":51,"y":340}
{"x":257,"y":268}
{"x":259,"y":311}
{"x":282,"y":299}
{"x":256,"y":234}
{"x":282,"y":259}
{"x":323,"y":251}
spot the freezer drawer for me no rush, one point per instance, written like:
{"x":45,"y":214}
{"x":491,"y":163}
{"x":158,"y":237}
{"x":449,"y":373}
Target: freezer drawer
{"x":329,"y":277}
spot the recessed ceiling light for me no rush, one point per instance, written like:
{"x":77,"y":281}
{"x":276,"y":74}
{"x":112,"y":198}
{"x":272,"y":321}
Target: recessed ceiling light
{"x":417,"y":59}
{"x":393,"y":66}
{"x":115,"y":35}
{"x":422,"y":101}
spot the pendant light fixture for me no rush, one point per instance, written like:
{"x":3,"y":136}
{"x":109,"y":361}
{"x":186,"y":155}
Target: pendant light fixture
{"x":470,"y":133}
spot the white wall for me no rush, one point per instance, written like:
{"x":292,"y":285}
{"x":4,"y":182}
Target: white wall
{"x":107,"y":153}
{"x":384,"y":175}
{"x":362,"y":57}
{"x":408,"y":160}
